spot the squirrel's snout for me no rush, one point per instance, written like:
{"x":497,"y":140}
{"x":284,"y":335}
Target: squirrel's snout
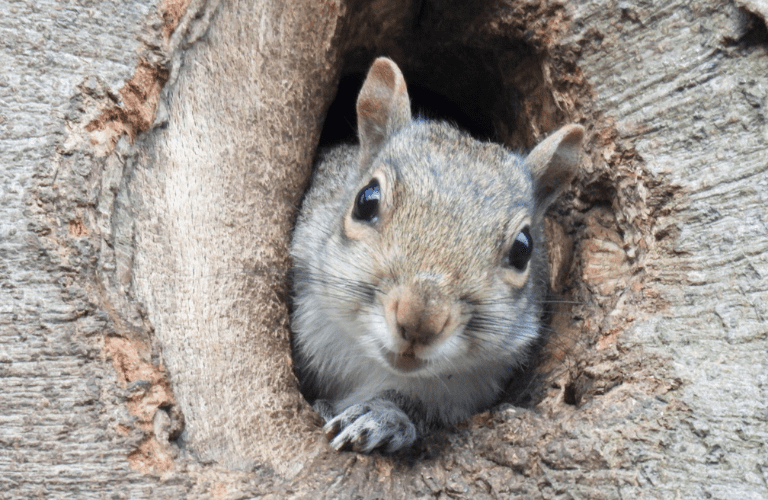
{"x":418,"y":317}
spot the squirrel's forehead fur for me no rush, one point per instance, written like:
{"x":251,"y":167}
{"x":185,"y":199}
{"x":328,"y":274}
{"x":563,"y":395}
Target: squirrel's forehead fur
{"x":438,"y":180}
{"x":436,"y":164}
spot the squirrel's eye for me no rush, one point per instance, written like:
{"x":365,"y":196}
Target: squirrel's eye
{"x":521,"y":250}
{"x":367,"y":202}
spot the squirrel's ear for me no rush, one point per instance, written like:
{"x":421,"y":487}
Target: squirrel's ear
{"x":553,"y":163}
{"x":383,"y":106}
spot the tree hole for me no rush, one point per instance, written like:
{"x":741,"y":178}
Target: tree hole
{"x":497,"y":70}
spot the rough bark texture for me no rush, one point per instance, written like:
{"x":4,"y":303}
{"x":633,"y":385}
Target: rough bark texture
{"x":153,"y":156}
{"x":210,"y":264}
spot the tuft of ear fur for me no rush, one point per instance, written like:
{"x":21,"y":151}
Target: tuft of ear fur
{"x":383,"y":107}
{"x":553,"y":164}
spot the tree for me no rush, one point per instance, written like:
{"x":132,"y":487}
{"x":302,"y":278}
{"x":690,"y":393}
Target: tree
{"x":153,"y":159}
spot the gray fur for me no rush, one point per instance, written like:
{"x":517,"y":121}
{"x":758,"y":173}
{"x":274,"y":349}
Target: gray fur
{"x":455,"y":205}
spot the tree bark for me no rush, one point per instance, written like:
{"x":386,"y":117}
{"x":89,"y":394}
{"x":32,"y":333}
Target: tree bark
{"x":153,"y":158}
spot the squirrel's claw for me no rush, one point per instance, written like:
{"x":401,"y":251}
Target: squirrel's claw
{"x":370,"y":425}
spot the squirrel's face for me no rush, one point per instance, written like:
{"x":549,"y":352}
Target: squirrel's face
{"x":424,"y":251}
{"x":442,"y":228}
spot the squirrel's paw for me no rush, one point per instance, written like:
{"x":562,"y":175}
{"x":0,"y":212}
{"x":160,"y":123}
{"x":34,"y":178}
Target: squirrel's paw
{"x":369,"y":425}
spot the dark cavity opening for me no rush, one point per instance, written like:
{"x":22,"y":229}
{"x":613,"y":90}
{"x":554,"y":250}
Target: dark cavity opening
{"x":459,"y":85}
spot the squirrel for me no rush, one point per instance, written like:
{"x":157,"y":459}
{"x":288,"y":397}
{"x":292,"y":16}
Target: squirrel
{"x":418,"y":270}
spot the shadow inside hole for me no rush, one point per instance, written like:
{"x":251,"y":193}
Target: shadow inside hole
{"x":461,"y":86}
{"x":341,"y":121}
{"x":570,"y":395}
{"x":754,"y":34}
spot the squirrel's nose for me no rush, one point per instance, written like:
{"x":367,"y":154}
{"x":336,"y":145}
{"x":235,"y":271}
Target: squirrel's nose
{"x":420,"y":318}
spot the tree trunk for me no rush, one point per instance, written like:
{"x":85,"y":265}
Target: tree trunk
{"x":153,"y":157}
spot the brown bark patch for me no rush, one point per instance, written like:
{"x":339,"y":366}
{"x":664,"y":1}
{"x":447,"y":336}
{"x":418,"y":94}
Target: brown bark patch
{"x":151,"y":458}
{"x":146,"y":385}
{"x":172,"y":12}
{"x":147,"y":392}
{"x":77,"y":228}
{"x":136,"y":112}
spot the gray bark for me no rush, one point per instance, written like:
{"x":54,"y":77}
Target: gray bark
{"x":66,"y":431}
{"x":694,"y":104}
{"x":152,"y":161}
